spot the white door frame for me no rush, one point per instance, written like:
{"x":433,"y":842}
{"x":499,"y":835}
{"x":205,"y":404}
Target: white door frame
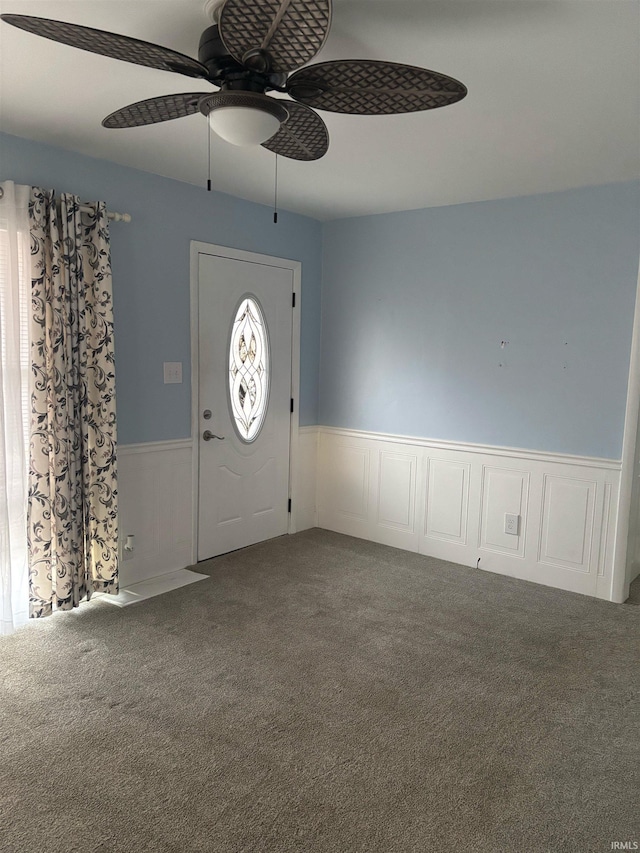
{"x":198,"y":248}
{"x":625,"y":526}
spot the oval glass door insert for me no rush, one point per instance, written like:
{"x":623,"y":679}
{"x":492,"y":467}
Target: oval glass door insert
{"x":248,"y":376}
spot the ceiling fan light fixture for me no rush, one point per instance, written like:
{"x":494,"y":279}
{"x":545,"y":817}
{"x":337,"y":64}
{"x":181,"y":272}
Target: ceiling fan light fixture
{"x":243,"y":118}
{"x":243,"y":125}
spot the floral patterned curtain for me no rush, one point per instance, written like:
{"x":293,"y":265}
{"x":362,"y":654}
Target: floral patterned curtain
{"x":73,"y":505}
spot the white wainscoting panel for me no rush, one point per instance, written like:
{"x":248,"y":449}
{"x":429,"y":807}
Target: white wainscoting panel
{"x":442,"y":499}
{"x":344,"y":486}
{"x":395,"y":496}
{"x":503,"y":491}
{"x":304,"y":509}
{"x":155,"y":506}
{"x":449,"y":500}
{"x":568,"y":508}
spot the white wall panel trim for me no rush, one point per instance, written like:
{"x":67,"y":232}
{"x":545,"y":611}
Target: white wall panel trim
{"x":445,"y":509}
{"x":489,"y":450}
{"x":449,"y":500}
{"x":304,"y":507}
{"x":567,"y":524}
{"x":604,"y":542}
{"x":396,"y":476}
{"x":503,"y":490}
{"x":447,"y":519}
{"x":154,"y":486}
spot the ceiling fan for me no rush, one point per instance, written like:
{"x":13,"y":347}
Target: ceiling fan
{"x":252,"y":48}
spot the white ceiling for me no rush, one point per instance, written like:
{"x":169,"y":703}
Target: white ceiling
{"x":553,"y":103}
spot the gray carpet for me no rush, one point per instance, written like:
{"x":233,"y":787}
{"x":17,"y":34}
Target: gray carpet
{"x":319,"y":693}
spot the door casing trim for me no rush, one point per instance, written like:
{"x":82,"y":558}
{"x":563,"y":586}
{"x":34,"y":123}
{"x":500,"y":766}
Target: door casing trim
{"x":198,"y":248}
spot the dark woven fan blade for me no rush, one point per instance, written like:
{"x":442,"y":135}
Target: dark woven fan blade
{"x":303,"y":136}
{"x":291,"y":31}
{"x":109,"y":44}
{"x":164,"y":108}
{"x":369,"y":87}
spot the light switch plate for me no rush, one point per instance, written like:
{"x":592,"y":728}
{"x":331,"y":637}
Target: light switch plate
{"x":172,"y":372}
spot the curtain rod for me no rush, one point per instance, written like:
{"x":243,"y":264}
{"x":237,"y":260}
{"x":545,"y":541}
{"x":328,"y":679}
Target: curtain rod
{"x":115,"y":217}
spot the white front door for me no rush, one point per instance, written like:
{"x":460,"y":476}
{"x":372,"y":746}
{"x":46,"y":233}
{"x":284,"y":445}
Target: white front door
{"x":244,"y":402}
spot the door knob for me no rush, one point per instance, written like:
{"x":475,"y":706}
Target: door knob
{"x":208,"y":435}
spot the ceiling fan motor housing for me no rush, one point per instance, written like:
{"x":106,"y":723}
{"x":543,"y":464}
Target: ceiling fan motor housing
{"x":213,"y":54}
{"x":231,"y":75}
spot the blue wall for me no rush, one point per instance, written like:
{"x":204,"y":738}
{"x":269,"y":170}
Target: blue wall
{"x":415,"y":306}
{"x":150,"y":258}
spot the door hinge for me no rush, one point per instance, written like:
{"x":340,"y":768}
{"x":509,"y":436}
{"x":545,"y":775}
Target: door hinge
{"x":289,"y":506}
{"x":293,"y":300}
{"x":291,"y":405}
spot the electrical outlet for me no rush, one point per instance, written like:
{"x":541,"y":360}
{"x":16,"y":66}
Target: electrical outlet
{"x":511,"y":523}
{"x":127,"y":547}
{"x":172,"y":372}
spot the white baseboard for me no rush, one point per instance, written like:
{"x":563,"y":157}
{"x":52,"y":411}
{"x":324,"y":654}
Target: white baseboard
{"x":155,"y":506}
{"x":449,"y":500}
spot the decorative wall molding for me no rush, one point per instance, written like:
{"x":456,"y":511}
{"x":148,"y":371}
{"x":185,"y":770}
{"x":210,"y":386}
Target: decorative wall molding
{"x":441,"y":499}
{"x":486,"y":449}
{"x":449,"y":500}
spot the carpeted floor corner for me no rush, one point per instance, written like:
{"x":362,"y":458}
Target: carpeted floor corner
{"x":319,"y":693}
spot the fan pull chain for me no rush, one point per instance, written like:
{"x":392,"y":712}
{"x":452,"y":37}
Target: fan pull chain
{"x":208,"y":157}
{"x":275,"y":195}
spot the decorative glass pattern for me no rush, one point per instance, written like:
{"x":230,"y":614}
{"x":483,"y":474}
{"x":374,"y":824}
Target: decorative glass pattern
{"x":249,"y":369}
